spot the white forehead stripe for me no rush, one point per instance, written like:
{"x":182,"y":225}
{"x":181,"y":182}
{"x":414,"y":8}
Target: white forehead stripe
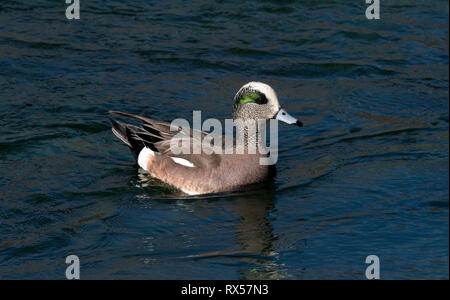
{"x":263,"y":88}
{"x":144,"y":156}
{"x":183,"y":162}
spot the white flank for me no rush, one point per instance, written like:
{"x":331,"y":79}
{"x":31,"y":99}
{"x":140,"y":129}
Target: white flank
{"x":183,"y":162}
{"x":190,"y":193}
{"x":144,"y":156}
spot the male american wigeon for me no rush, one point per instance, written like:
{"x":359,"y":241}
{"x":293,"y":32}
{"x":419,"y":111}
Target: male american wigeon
{"x":210,"y":169}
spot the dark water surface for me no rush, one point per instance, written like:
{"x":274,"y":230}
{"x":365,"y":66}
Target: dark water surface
{"x":368,"y":174}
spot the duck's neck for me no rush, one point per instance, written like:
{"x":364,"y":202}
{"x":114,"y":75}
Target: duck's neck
{"x":252,"y":131}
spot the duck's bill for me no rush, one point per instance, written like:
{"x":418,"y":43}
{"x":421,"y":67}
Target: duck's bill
{"x":283,"y":116}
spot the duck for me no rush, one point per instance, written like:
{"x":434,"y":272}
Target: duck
{"x":227,"y":166}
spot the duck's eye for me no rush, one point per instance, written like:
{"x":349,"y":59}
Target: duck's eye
{"x":262,"y":99}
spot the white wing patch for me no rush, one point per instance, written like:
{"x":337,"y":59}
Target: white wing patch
{"x":144,"y":156}
{"x":183,"y":162}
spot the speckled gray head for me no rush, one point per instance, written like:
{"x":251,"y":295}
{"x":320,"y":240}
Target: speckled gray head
{"x":257,"y":100}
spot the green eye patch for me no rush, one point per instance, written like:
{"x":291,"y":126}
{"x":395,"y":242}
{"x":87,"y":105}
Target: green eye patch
{"x":249,"y":97}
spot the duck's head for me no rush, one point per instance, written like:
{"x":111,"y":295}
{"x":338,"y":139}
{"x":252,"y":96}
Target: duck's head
{"x":257,"y":100}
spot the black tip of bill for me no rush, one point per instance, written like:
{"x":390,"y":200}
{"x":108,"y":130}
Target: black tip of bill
{"x":283,"y":116}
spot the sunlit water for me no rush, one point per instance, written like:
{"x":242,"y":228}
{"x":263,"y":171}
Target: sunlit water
{"x":368,"y":174}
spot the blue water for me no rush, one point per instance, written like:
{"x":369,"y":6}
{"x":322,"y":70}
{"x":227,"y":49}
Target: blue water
{"x":367,"y":175}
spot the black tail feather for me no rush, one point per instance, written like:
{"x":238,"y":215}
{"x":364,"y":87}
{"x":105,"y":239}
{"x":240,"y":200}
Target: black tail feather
{"x":119,"y":130}
{"x":137,"y":144}
{"x":129,"y":135}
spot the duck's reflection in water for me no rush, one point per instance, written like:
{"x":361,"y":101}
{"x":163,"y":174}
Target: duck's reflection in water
{"x":254,"y":235}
